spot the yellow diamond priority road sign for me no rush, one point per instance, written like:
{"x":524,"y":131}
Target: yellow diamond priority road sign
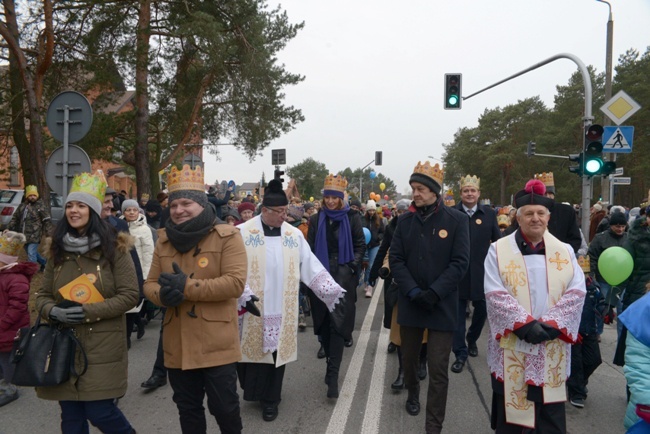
{"x":620,"y":107}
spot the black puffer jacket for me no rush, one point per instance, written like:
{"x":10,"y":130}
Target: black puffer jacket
{"x":638,"y":244}
{"x":599,"y":244}
{"x":345,"y":275}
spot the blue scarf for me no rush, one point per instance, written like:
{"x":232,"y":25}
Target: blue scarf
{"x":346,"y":252}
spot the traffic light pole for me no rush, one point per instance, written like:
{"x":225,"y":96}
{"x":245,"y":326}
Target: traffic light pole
{"x":587,"y":121}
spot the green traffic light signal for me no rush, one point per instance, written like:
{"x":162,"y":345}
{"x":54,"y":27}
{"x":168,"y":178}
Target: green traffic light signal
{"x":593,"y":165}
{"x":453,"y":91}
{"x":453,"y":100}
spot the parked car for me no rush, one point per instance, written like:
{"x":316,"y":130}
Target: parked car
{"x":10,"y":199}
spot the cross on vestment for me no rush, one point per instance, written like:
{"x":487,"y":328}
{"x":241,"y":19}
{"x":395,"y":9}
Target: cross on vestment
{"x":558,"y":261}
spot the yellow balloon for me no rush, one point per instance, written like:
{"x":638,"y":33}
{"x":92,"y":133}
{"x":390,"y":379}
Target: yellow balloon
{"x":311,"y":199}
{"x":382,"y":186}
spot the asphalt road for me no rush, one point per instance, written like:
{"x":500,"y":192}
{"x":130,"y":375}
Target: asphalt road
{"x":366,"y":403}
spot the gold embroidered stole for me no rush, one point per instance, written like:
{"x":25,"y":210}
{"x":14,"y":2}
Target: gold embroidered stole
{"x":559,"y":272}
{"x":252,"y":337}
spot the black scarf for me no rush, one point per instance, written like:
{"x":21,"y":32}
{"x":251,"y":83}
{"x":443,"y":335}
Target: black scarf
{"x":187,"y":235}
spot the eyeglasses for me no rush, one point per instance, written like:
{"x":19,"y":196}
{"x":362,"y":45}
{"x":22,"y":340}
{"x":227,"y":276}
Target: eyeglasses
{"x":282,"y":211}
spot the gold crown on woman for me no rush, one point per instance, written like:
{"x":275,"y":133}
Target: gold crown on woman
{"x":546,"y":178}
{"x":185,"y":179}
{"x":95,"y":185}
{"x":470,"y":181}
{"x":434,"y":172}
{"x":336,"y":183}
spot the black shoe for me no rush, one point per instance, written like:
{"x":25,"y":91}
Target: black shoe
{"x":577,"y":402}
{"x":392,"y":348}
{"x":422,"y":371}
{"x":321,"y":352}
{"x":399,"y":383}
{"x":140,"y":332}
{"x":269,"y":412}
{"x":349,"y":343}
{"x":333,"y":387}
{"x":154,"y":382}
{"x":413,"y":406}
{"x":7,"y":398}
{"x":472,"y":349}
{"x":457,"y":366}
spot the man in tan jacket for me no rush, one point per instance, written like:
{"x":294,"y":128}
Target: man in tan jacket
{"x":198,"y":272}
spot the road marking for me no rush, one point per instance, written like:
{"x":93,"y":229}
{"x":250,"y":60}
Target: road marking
{"x":372,"y":414}
{"x":339,"y":417}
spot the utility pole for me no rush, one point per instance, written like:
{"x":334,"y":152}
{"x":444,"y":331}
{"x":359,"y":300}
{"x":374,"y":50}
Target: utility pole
{"x":607,"y":187}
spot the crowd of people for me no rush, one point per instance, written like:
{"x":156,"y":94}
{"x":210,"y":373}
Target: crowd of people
{"x":234,"y":281}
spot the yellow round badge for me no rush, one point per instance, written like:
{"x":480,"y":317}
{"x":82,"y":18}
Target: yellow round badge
{"x":203,"y":262}
{"x":91,"y":277}
{"x":443,"y":233}
{"x":479,"y":221}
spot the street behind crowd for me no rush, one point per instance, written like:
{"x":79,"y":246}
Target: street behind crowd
{"x":366,"y":403}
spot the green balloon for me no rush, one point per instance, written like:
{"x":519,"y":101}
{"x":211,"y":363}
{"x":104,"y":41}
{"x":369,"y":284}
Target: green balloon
{"x":615,"y":265}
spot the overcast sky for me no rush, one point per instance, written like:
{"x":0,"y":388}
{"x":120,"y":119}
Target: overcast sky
{"x":374,"y":73}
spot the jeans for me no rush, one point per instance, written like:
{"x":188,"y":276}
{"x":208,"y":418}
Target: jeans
{"x":33,"y":255}
{"x":372,"y":253}
{"x":103,"y":414}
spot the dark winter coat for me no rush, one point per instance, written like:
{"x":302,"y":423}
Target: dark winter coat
{"x":389,"y":289}
{"x":345,"y":275}
{"x":430,"y":253}
{"x":103,"y":332}
{"x":590,"y":314}
{"x":32,"y":220}
{"x":14,"y":295}
{"x":638,"y":244}
{"x":376,"y":231}
{"x":483,"y":230}
{"x":599,"y":244}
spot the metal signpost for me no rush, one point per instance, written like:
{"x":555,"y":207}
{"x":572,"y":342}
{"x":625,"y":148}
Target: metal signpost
{"x":69,"y":117}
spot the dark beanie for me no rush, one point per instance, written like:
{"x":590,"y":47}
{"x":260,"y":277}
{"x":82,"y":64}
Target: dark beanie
{"x":197,"y":196}
{"x":533,"y":194}
{"x":618,"y":218}
{"x":274,"y":195}
{"x":153,"y":206}
{"x":426,"y":181}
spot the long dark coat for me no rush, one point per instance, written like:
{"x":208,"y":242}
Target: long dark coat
{"x":345,"y":275}
{"x":430,"y":254}
{"x":483,"y":230}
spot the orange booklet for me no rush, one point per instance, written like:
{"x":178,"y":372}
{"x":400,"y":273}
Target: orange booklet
{"x":81,"y":290}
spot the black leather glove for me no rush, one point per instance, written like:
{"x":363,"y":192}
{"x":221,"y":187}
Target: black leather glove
{"x":175,"y":280}
{"x":337,"y":316}
{"x":427,"y":299}
{"x":250,"y":306}
{"x":68,"y":315}
{"x":553,"y":333}
{"x":533,"y":333}
{"x":352,"y":266}
{"x":384,"y":272}
{"x":170,"y":297}
{"x":606,"y":312}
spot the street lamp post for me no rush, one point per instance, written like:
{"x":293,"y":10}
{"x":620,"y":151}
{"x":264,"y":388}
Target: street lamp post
{"x":607,"y":186}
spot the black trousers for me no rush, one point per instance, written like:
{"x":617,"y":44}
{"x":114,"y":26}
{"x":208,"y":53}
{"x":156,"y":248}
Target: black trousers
{"x":549,"y":418}
{"x":220,"y":384}
{"x":159,"y":369}
{"x":474,"y":333}
{"x":438,"y":350}
{"x":261,"y":381}
{"x":585,"y":358}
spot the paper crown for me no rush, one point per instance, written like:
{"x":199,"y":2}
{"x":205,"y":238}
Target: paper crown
{"x":449,"y":198}
{"x":185,"y":179}
{"x":546,"y":178}
{"x":470,"y":181}
{"x":503,"y":218}
{"x":11,"y":243}
{"x":583,"y":261}
{"x":95,"y":185}
{"x":31,"y":189}
{"x":336,"y":183}
{"x":145,"y":196}
{"x":434,"y":172}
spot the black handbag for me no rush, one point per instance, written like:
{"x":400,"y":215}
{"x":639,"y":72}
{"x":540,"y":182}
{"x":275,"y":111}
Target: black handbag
{"x":44,"y":355}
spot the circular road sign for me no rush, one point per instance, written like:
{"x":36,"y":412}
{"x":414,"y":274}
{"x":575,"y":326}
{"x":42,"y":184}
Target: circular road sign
{"x":78,"y":162}
{"x":80,"y":116}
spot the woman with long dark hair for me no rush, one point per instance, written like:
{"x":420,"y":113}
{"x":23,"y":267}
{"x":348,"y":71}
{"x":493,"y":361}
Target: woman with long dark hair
{"x":87,"y":247}
{"x":375,"y":224}
{"x":336,"y":236}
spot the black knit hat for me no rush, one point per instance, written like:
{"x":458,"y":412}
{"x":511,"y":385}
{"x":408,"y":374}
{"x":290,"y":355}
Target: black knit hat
{"x":618,"y":218}
{"x":426,"y":181}
{"x":274,"y":195}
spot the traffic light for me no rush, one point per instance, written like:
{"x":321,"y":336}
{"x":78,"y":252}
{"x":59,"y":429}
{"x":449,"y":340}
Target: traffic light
{"x":378,"y":158}
{"x":594,"y":163}
{"x":579,"y":160}
{"x":278,"y":175}
{"x":452,"y":91}
{"x":531,"y":149}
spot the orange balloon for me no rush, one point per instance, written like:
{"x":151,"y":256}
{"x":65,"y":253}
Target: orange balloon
{"x":372,"y":195}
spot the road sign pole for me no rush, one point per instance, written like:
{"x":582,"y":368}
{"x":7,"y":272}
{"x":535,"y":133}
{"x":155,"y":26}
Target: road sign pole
{"x":66,"y":139}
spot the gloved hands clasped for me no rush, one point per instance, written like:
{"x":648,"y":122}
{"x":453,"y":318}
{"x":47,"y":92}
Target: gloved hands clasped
{"x":172,"y":286}
{"x":426,"y":299}
{"x":537,"y":332}
{"x":68,"y":312}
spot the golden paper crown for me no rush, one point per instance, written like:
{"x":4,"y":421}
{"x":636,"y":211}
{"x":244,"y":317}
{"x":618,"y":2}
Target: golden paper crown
{"x":11,"y":243}
{"x":470,"y":181}
{"x":31,"y":189}
{"x":449,"y":198}
{"x":185,"y":179}
{"x":435,"y":172}
{"x":546,"y":178}
{"x":336,"y":183}
{"x":583,"y":261}
{"x":145,"y":196}
{"x":95,"y":185}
